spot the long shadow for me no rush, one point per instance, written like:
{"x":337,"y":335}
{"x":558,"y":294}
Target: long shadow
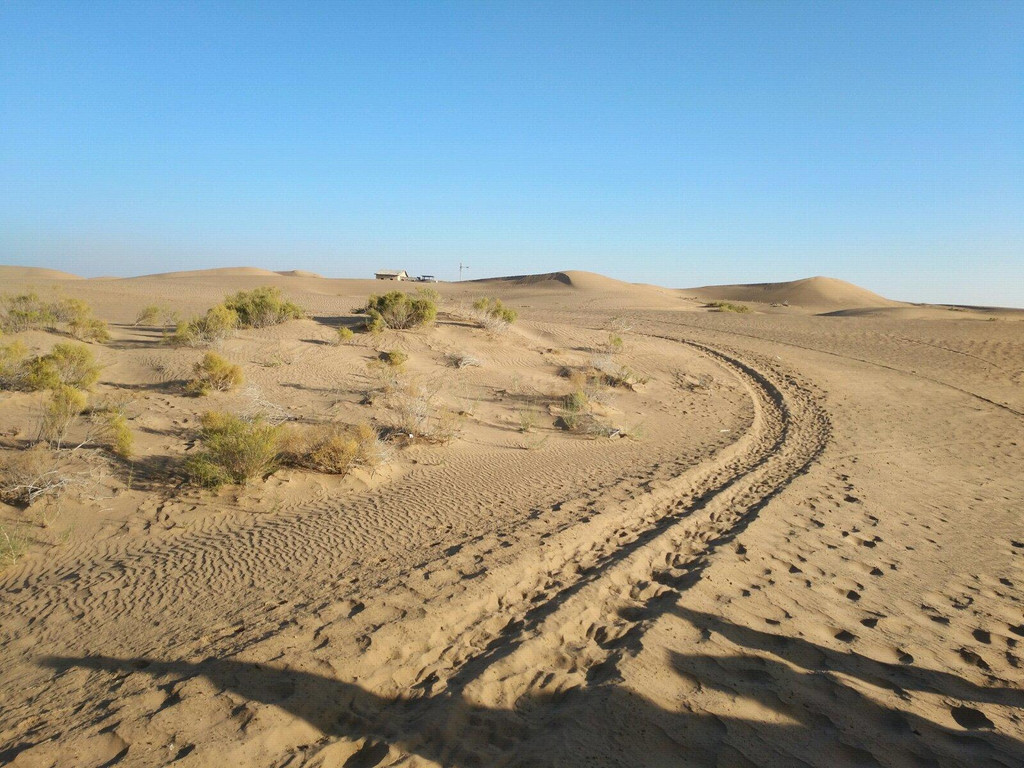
{"x":799,"y":717}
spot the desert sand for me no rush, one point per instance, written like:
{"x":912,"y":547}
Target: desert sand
{"x":801,"y":544}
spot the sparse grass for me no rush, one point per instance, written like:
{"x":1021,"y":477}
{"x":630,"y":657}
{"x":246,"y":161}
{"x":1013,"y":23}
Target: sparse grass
{"x":234,"y":450}
{"x":728,"y":306}
{"x":527,"y":420}
{"x":66,"y":364}
{"x":399,"y":311}
{"x":214,"y":373}
{"x":334,"y":448}
{"x":262,"y":307}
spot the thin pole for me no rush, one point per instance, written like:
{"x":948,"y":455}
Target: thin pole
{"x":461,"y":267}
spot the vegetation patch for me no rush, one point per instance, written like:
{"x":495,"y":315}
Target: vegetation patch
{"x":234,"y":450}
{"x":70,"y":365}
{"x":214,"y":374}
{"x":262,"y":307}
{"x":728,"y":306}
{"x":334,"y":449}
{"x":399,"y":311}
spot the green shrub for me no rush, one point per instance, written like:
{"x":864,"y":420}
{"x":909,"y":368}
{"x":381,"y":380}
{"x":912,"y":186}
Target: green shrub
{"x":90,"y":329}
{"x":344,"y":335}
{"x":214,"y":373}
{"x":70,"y":310}
{"x":398,"y":311}
{"x":217,"y":324}
{"x":12,"y":364}
{"x":23,"y":312}
{"x":333,"y":448}
{"x":234,"y":450}
{"x":395,"y":358}
{"x":728,"y":306}
{"x":66,"y":364}
{"x":262,"y":307}
{"x":63,"y":407}
{"x":495,"y":310}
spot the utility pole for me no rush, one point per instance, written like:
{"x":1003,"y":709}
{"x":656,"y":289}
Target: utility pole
{"x":461,"y":267}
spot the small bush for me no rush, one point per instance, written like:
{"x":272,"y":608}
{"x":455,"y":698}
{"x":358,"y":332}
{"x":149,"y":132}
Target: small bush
{"x":62,"y":409}
{"x":494,"y":309}
{"x":262,"y":307}
{"x":333,"y":448}
{"x":149,"y":315}
{"x":418,"y":413}
{"x":344,"y":335}
{"x":214,"y":373}
{"x":217,"y":324}
{"x":13,"y":545}
{"x":728,"y":306}
{"x":396,"y":359}
{"x":70,"y":310}
{"x":12,"y":365}
{"x":66,"y":364}
{"x":399,"y":311}
{"x":234,"y":450}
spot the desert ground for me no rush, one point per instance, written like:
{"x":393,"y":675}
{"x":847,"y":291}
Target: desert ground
{"x":790,"y":536}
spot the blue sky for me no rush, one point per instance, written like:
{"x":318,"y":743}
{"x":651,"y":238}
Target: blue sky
{"x":675,"y":143}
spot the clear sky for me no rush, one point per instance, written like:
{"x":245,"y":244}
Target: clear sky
{"x":679,"y":143}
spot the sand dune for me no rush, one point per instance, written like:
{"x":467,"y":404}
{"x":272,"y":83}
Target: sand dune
{"x":818,"y":293}
{"x":802,"y":546}
{"x":299,"y":273}
{"x":219,"y":272}
{"x":34,"y":273}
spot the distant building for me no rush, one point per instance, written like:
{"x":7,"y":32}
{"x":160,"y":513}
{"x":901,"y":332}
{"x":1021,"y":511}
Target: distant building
{"x":392,"y":274}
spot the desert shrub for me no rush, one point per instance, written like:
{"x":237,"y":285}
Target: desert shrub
{"x":108,"y":425}
{"x":728,"y":306}
{"x":66,"y":364}
{"x":462,"y":360}
{"x":493,"y":308}
{"x":261,"y":307}
{"x":61,"y":410}
{"x":610,"y":374}
{"x":527,"y":420}
{"x":234,"y":450}
{"x":344,"y":335}
{"x":217,"y":324}
{"x":399,"y":311}
{"x":13,"y":545}
{"x":70,"y":310}
{"x":90,"y":329}
{"x":577,"y":415}
{"x":395,"y":358}
{"x":614,"y":344}
{"x":12,"y":364}
{"x":214,"y":373}
{"x":24,"y":311}
{"x":149,"y":315}
{"x":334,"y":448}
{"x":418,"y":413}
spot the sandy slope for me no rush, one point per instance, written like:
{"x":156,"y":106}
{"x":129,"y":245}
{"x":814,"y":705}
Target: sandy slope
{"x":812,"y":555}
{"x":818,"y":293}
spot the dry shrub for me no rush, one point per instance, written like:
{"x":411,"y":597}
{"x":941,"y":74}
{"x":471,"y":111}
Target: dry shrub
{"x":462,"y":360}
{"x":109,"y":424}
{"x":61,"y":410}
{"x":419,"y":413}
{"x":398,"y":311}
{"x":214,"y":373}
{"x":262,"y":307}
{"x":344,"y":335}
{"x":34,"y":473}
{"x":234,"y":450}
{"x":334,"y":448}
{"x":66,"y":364}
{"x":149,"y":315}
{"x":606,"y":371}
{"x":217,"y":324}
{"x":80,"y":320}
{"x":395,"y":358}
